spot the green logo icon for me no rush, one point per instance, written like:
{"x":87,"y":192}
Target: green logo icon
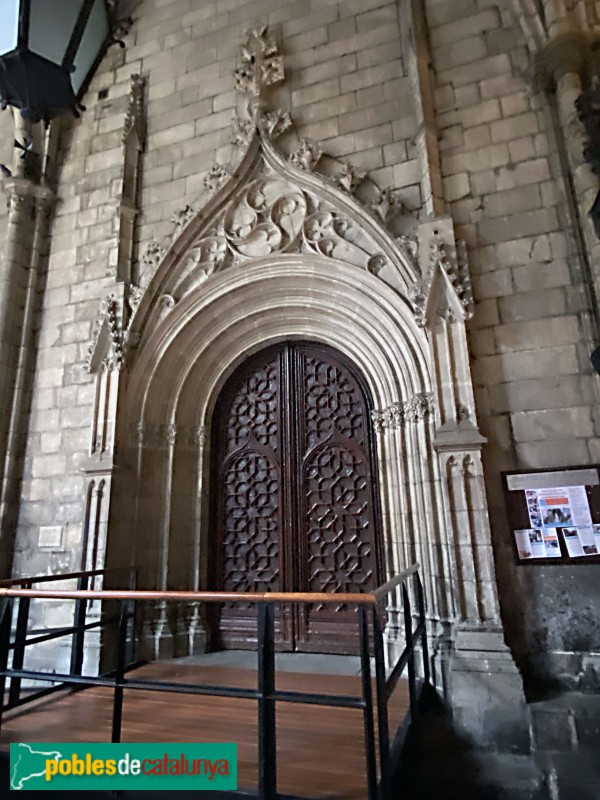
{"x":64,"y":766}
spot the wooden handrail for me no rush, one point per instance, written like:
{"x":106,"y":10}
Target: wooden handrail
{"x":387,"y":587}
{"x":62,"y":577}
{"x":352,"y":598}
{"x":206,"y":597}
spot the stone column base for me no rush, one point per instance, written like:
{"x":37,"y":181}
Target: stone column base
{"x":486,"y":692}
{"x":175,"y":632}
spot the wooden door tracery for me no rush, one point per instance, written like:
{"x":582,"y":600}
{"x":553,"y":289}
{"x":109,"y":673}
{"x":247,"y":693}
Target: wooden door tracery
{"x":295,"y":500}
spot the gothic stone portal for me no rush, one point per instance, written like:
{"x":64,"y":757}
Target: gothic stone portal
{"x":294,"y":500}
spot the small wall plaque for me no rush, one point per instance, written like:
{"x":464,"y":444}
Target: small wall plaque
{"x":50,"y":537}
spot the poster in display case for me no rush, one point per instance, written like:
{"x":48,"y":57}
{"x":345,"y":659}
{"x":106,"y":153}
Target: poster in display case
{"x":554,"y":514}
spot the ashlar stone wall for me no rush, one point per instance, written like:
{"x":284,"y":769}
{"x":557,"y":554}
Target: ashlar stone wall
{"x":535,"y":389}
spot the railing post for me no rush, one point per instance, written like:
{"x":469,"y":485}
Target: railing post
{"x":367,"y":691}
{"x":408,"y":635}
{"x":132,"y":616}
{"x":6,"y":607}
{"x":119,"y":674}
{"x":382,"y":708}
{"x":267,"y":724}
{"x":79,"y":618}
{"x":423,"y":622}
{"x":14,"y":694}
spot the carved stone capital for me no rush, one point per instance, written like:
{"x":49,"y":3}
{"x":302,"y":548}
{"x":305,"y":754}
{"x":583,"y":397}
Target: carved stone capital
{"x":138,"y":433}
{"x":169,"y":433}
{"x":562,"y":55}
{"x":15,"y":203}
{"x":390,"y":417}
{"x":418,"y":407}
{"x":166,"y":435}
{"x":198,"y":435}
{"x":397,"y":415}
{"x":21,"y":196}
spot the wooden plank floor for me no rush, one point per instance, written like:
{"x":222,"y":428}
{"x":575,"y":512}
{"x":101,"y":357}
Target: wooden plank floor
{"x":320,"y":750}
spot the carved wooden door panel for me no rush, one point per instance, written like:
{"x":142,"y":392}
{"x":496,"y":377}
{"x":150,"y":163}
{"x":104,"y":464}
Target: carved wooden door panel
{"x":295,"y":498}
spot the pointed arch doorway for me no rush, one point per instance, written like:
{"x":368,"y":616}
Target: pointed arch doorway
{"x":295,"y":501}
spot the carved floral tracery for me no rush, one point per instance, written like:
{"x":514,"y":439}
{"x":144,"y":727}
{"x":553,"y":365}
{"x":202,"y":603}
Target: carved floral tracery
{"x":272,"y":211}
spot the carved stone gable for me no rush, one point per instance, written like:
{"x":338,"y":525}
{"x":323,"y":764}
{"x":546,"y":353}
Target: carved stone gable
{"x":269,"y":206}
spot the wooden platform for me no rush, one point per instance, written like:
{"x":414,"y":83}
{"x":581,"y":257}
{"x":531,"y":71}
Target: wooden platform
{"x":320,"y":750}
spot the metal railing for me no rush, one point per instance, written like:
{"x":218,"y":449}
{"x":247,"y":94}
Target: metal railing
{"x":20,"y":640}
{"x":371,"y":610}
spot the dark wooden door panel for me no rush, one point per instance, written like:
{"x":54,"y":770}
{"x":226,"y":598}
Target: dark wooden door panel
{"x":296,"y":501}
{"x":247,"y":486}
{"x":336,"y":525}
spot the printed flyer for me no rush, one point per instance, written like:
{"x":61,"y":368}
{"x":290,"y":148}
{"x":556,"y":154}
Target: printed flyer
{"x":523,"y":544}
{"x":535,"y":543}
{"x":581,"y":542}
{"x":558,"y":506}
{"x":551,"y":544}
{"x":597,"y":536}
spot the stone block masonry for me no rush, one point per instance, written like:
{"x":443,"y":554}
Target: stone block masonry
{"x":535,"y":387}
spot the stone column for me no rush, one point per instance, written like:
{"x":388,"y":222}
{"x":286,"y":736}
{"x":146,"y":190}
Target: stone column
{"x":473,"y":665}
{"x":561,"y":62}
{"x":29,"y":207}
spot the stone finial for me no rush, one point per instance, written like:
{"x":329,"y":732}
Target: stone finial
{"x":260,"y":63}
{"x":135,"y":117}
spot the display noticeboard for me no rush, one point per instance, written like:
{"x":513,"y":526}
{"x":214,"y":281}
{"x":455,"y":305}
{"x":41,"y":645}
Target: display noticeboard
{"x":554,"y":514}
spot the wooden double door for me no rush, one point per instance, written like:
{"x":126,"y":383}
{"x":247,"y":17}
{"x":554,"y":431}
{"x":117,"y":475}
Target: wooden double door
{"x":294,"y":495}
